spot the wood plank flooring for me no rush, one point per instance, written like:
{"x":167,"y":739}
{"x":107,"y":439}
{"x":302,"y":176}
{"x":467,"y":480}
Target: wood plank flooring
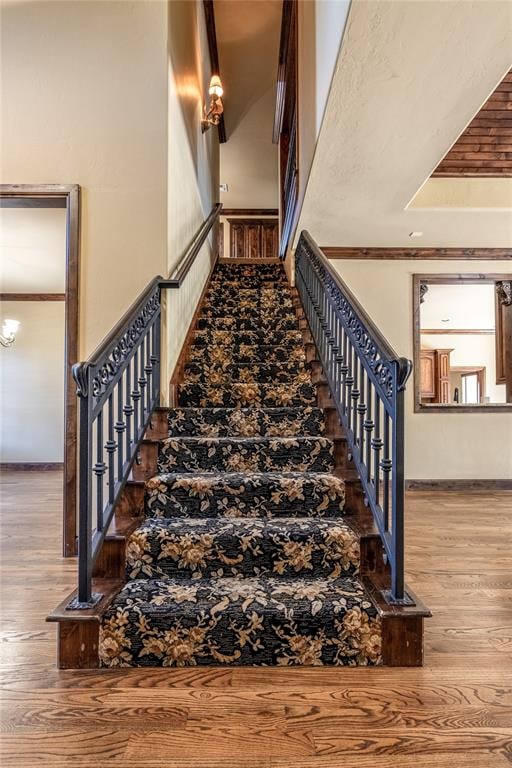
{"x":456,"y":711}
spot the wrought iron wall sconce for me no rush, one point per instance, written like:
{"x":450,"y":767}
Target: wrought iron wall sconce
{"x":216,"y":108}
{"x":8,"y":334}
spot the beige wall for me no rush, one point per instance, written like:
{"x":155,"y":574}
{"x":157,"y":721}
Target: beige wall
{"x":249,"y":160}
{"x":32,"y":384}
{"x":438,"y":446}
{"x":193,"y":166}
{"x":84,"y":100}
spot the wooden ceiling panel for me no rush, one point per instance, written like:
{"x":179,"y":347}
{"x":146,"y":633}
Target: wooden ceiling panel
{"x":485,"y":147}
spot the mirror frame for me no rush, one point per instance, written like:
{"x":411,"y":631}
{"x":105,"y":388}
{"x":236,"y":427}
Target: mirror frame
{"x":447,"y":279}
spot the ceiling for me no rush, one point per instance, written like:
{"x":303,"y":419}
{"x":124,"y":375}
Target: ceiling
{"x":248,"y":42}
{"x":458,"y":306}
{"x":410,"y":76}
{"x":32,"y":250}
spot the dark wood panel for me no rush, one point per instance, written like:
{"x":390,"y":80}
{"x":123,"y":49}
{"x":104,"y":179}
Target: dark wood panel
{"x":458,"y":485}
{"x":32,"y":296}
{"x":493,"y":157}
{"x":253,"y":238}
{"x":456,"y":254}
{"x":269,"y":240}
{"x":249,"y":212}
{"x":237,"y":241}
{"x":31,"y":466}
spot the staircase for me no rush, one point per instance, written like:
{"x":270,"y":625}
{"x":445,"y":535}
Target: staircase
{"x":246,"y":554}
{"x":259,"y":521}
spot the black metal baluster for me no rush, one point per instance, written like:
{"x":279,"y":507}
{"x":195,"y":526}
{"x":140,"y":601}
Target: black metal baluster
{"x":99,"y":470}
{"x":120,"y":427}
{"x":344,"y":372}
{"x":355,"y":398}
{"x":128,"y":411}
{"x":368,"y":427}
{"x":110,"y":447}
{"x":136,"y":395}
{"x":377,"y":446}
{"x":349,"y":382}
{"x":148,"y":368}
{"x":386,"y":469}
{"x":361,"y":409}
{"x":142,"y":382}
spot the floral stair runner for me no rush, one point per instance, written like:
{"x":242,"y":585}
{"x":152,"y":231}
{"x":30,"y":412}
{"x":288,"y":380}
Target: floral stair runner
{"x":246,"y":555}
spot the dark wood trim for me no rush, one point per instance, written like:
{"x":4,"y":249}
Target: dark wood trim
{"x":458,"y":331}
{"x":32,"y":202}
{"x":253,"y":221}
{"x":448,"y":279}
{"x":31,"y":466}
{"x":69,"y":194}
{"x":211,"y":33}
{"x":249,"y":212}
{"x":32,"y":297}
{"x":433,"y":254}
{"x":287,"y":19}
{"x":458,"y":485}
{"x":499,"y":340}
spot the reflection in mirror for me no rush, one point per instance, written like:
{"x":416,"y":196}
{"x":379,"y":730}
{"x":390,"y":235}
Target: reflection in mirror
{"x":461,"y":343}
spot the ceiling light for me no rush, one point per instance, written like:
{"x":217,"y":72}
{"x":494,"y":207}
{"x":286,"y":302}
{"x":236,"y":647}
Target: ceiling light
{"x":8,"y":334}
{"x":216,"y":108}
{"x":415,"y":234}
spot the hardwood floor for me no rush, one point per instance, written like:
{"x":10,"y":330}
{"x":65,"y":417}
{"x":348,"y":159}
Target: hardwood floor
{"x":456,"y":711}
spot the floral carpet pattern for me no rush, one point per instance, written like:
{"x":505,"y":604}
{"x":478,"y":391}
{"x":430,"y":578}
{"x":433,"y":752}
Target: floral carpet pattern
{"x":246,"y":555}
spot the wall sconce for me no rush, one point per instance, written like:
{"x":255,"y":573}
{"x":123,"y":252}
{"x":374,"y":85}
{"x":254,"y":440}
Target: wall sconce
{"x":212,"y":117}
{"x":8,"y":334}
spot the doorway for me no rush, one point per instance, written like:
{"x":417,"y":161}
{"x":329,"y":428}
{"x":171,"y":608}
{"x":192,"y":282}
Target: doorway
{"x":67,"y":197}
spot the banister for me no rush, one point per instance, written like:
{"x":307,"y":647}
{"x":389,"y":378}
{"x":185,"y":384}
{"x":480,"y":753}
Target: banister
{"x":383,"y":343}
{"x":367,"y":382}
{"x":118,"y":389}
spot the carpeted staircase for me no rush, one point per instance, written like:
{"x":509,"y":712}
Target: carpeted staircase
{"x":245,"y":555}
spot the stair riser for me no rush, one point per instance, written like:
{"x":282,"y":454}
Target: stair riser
{"x":238,"y":422}
{"x":265,"y":455}
{"x":265,"y":374}
{"x":242,"y":395}
{"x":246,"y":496}
{"x":215,"y":548}
{"x":237,"y":622}
{"x":225,"y":338}
{"x":247,"y":354}
{"x":262,"y":324}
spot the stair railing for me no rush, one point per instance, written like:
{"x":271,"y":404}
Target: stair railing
{"x":118,"y":388}
{"x":367,"y":381}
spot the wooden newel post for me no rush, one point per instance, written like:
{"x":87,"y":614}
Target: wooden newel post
{"x":504,"y":290}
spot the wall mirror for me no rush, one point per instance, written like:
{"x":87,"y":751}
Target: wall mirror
{"x":459,"y":342}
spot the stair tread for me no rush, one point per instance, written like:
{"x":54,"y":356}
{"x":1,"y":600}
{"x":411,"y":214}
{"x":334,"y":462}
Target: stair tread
{"x":307,"y":420}
{"x":244,"y":494}
{"x":223,"y":546}
{"x":241,"y":620}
